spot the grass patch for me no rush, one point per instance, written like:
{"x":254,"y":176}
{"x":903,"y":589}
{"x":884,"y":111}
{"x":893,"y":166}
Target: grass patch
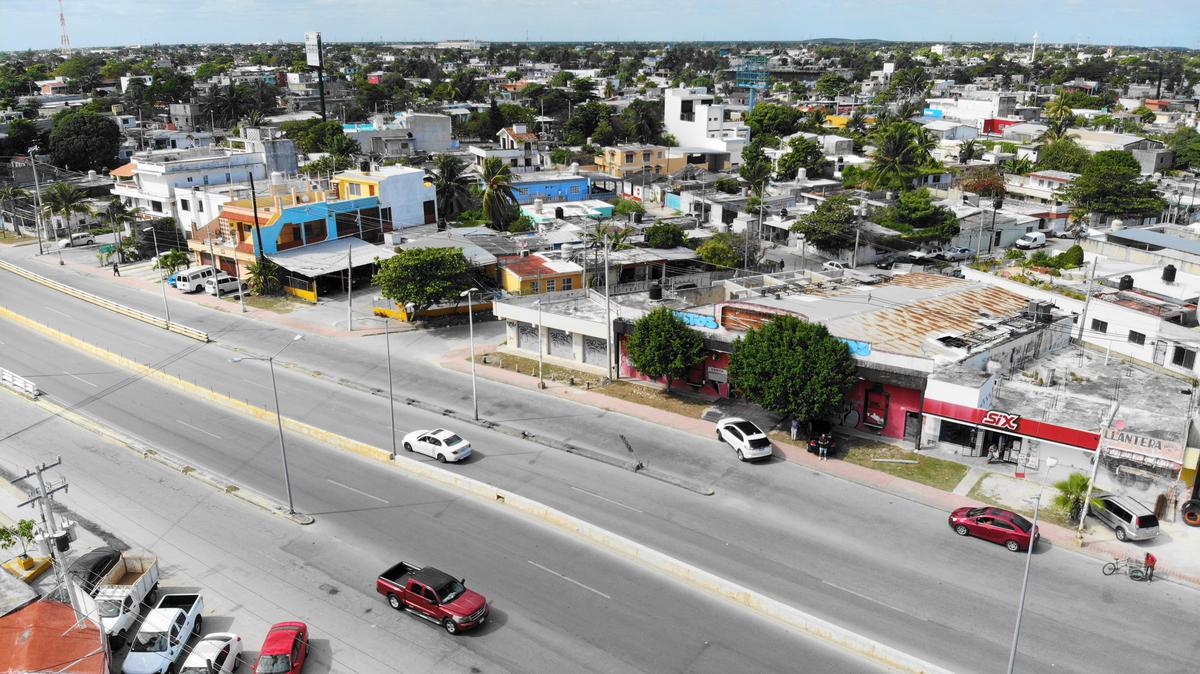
{"x":280,"y":304}
{"x":1050,"y":513}
{"x":10,"y":238}
{"x":932,"y":471}
{"x":624,"y":390}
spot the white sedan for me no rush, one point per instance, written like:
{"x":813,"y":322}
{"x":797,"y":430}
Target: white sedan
{"x":439,"y":443}
{"x":747,"y":440}
{"x":216,"y":653}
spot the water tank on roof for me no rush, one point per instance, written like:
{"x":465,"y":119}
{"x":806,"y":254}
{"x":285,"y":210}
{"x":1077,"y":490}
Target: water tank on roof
{"x":1168,"y":275}
{"x":637,"y":218}
{"x":559,"y":213}
{"x":276,"y":178}
{"x":1116,"y":225}
{"x":656,"y":293}
{"x":537,"y":205}
{"x":1126,"y":283}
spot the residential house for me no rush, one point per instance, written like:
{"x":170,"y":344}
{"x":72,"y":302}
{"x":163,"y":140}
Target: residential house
{"x":408,"y":134}
{"x":619,"y":160}
{"x":278,"y":152}
{"x":697,"y":121}
{"x":1152,"y":155}
{"x":536,"y":273}
{"x":405,"y":198}
{"x":519,"y":147}
{"x":187,"y":116}
{"x":127,"y":80}
{"x":551,"y":186}
{"x":972,"y":107}
{"x":945,"y":130}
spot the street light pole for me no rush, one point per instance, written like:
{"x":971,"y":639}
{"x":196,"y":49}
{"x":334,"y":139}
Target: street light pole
{"x":287,"y":480}
{"x":471,"y":328}
{"x":1051,"y":462}
{"x":387,"y":341}
{"x":541,"y":345}
{"x":162,"y":278}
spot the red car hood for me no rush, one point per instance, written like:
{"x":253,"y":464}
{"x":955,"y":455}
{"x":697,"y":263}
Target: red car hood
{"x":467,"y":604}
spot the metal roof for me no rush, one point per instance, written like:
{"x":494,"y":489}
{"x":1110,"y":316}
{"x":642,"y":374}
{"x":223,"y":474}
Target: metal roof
{"x":329,"y":256}
{"x":1152,"y":240}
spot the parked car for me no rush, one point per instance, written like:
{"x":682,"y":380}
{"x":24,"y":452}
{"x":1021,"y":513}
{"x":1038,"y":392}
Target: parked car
{"x":747,"y":440}
{"x":1031,"y":240}
{"x":835,"y":266}
{"x":956,"y":254}
{"x":284,"y":650}
{"x":216,"y":653}
{"x":192,"y":280}
{"x":77,"y":239}
{"x":434,"y":596}
{"x":1128,"y":518}
{"x":220,"y":285}
{"x":164,"y":634}
{"x":997,"y":525}
{"x":438,"y":443}
{"x":821,"y":430}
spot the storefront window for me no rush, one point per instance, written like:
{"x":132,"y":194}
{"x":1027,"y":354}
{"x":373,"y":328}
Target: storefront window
{"x":958,"y":434}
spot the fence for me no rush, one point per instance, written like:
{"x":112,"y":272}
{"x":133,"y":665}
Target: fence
{"x":106,"y":304}
{"x":19,"y":383}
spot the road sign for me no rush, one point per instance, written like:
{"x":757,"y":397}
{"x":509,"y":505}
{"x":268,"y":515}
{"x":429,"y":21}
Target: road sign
{"x":108,"y":249}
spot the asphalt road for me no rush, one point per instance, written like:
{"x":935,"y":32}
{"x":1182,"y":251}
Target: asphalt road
{"x":869,"y":561}
{"x":557,"y":605}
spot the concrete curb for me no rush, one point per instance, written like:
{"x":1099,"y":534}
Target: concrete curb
{"x":147,"y":452}
{"x":637,"y":553}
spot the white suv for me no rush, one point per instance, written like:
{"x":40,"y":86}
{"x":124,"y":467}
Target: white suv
{"x":748,"y":441}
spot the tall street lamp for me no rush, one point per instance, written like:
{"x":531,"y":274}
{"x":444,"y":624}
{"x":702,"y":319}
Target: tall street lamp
{"x":471,"y":327}
{"x":287,"y":480}
{"x":161,"y":273}
{"x":541,"y":344}
{"x":1051,"y":462}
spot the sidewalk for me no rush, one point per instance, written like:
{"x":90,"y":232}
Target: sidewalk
{"x":1178,"y":558}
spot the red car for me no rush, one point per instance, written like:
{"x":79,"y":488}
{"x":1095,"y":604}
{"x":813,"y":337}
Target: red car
{"x":284,"y":650}
{"x":996,"y":525}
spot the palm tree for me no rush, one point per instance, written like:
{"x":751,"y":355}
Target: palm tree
{"x":1058,"y":109}
{"x":499,"y":199}
{"x":1019,"y":165}
{"x":857,"y":124}
{"x":604,"y":235}
{"x":117,"y":215}
{"x":898,"y":156}
{"x":64,"y":200}
{"x":1058,"y":130}
{"x":452,"y":184}
{"x":1071,"y":494}
{"x":967,"y":150}
{"x":757,"y":174}
{"x":9,"y":196}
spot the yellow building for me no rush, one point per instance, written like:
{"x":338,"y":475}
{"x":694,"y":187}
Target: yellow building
{"x":534,"y":274}
{"x":619,"y":160}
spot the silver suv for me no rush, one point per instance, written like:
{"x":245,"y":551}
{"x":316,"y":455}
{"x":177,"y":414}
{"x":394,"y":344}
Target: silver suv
{"x":1131,"y":520}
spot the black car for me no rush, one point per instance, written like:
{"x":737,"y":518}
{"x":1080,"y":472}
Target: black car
{"x":889,"y":261}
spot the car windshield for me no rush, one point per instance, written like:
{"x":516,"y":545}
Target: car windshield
{"x":450,"y":591}
{"x":149,"y":642}
{"x":1022,"y":523}
{"x":759,"y":443}
{"x":274,"y":664}
{"x":109,"y":609}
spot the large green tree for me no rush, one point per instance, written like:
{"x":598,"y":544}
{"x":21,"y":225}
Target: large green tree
{"x":773,"y":118}
{"x":901,"y":151}
{"x":802,"y":154}
{"x":1186,"y":144}
{"x":1111,"y":184}
{"x":720,"y":250}
{"x":664,"y":235}
{"x":84,"y":141}
{"x":662,"y":345}
{"x":793,"y":367}
{"x":830,"y":226}
{"x":1063,"y":155}
{"x":423,"y":277}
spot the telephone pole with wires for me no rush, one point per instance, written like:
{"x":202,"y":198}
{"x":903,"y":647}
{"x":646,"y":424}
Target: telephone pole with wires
{"x":57,"y":541}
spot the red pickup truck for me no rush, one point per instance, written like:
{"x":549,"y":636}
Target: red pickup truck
{"x":433,"y":595}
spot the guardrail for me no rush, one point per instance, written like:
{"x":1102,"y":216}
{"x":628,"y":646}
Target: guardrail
{"x":18,"y":382}
{"x":142,"y":316}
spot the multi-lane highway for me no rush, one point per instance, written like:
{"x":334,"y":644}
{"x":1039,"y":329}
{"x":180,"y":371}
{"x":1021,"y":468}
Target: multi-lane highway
{"x":883,"y":566}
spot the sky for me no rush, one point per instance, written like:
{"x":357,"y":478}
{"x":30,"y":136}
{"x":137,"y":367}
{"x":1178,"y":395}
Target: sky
{"x":33,"y":24}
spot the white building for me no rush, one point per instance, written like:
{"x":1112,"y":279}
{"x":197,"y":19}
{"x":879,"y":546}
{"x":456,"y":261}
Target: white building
{"x":519,"y":147}
{"x":972,"y":108}
{"x":411,"y":132}
{"x":697,"y":122}
{"x":150,"y":181}
{"x":404,"y":198}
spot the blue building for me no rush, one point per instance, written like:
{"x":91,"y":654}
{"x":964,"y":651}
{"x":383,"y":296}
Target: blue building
{"x":551,"y":186}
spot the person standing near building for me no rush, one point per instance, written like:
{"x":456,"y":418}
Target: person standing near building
{"x":116,"y":270}
{"x":795,"y":428}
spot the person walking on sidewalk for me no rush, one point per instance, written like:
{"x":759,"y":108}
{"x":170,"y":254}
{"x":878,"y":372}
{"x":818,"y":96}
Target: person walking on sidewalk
{"x":116,"y":270}
{"x":795,"y":428}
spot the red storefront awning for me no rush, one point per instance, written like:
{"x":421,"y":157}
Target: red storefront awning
{"x":1014,"y":424}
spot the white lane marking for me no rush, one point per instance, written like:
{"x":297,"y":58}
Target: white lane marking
{"x":870,"y":599}
{"x":356,"y":491}
{"x":195,"y":428}
{"x":569,"y":580}
{"x":81,"y":379}
{"x":257,"y":384}
{"x":60,"y":313}
{"x":605,"y":498}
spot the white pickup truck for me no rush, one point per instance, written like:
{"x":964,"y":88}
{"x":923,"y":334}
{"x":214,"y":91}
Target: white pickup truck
{"x":165,"y":634}
{"x":117,"y":597}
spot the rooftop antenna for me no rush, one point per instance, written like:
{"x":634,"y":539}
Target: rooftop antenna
{"x":64,"y":40}
{"x":1033,"y":54}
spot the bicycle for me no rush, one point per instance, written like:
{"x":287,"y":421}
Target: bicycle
{"x":1134,"y":568}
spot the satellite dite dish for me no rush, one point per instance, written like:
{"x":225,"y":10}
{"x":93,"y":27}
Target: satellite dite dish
{"x":1120,"y":424}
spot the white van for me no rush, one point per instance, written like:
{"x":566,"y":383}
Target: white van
{"x":77,"y":239}
{"x":192,"y":280}
{"x":219,"y":285}
{"x":1031,"y":240}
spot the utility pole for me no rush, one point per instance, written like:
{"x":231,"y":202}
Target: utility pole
{"x":41,"y":498}
{"x":349,"y":287}
{"x":37,"y":198}
{"x":1087,"y":301}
